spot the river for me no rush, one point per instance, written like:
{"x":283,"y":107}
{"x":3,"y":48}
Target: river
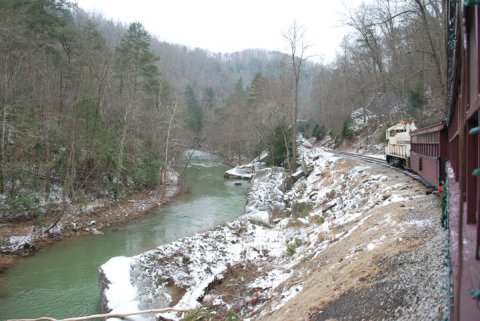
{"x":62,"y":280}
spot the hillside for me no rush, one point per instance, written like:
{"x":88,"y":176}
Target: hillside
{"x":346,"y":232}
{"x":93,"y":110}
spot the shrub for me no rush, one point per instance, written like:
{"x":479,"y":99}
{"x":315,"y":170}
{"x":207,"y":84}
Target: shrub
{"x":318,"y":132}
{"x":416,"y":99}
{"x":444,"y":204}
{"x":346,"y":129}
{"x":319,"y":219}
{"x":22,"y":206}
{"x":302,"y":209}
{"x":298,"y":242}
{"x":232,"y":316}
{"x":291,"y":249}
{"x":197,"y":315}
{"x":275,"y":144}
{"x":331,"y":194}
{"x":147,"y":174}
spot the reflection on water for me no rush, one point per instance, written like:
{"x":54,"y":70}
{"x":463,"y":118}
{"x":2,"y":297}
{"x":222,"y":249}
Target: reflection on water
{"x":61,"y":281}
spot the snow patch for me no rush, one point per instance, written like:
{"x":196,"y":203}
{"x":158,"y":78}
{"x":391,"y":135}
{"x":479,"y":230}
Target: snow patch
{"x":121,"y":294}
{"x":360,"y":117}
{"x":272,"y":280}
{"x":244,"y":171}
{"x":394,"y":198}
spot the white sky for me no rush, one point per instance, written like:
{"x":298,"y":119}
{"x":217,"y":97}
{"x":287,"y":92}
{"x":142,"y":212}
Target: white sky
{"x":229,"y":26}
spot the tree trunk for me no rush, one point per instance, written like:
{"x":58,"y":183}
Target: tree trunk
{"x":109,"y":315}
{"x":122,"y":141}
{"x":285,"y":141}
{"x":4,"y":132}
{"x":167,"y":144}
{"x":435,"y":54}
{"x":47,"y":162}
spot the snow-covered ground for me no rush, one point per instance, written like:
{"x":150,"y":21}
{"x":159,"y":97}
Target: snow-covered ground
{"x":360,"y":117}
{"x":245,"y":171}
{"x":194,"y":263}
{"x":251,"y":265}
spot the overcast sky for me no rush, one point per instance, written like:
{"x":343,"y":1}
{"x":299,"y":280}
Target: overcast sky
{"x":229,"y":26}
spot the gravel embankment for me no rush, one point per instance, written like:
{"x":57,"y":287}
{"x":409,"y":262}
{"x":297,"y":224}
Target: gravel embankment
{"x":411,"y":285}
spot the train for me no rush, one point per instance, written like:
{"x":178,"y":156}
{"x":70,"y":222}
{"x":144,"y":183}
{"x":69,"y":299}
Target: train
{"x":397,"y":147}
{"x":447,"y":155}
{"x":422,"y":150}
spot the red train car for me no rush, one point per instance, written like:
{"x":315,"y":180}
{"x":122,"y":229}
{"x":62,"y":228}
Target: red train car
{"x":428,"y":152}
{"x":464,"y":156}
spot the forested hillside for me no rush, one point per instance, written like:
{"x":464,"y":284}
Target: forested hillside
{"x":95,"y":108}
{"x":92,"y":108}
{"x":393,"y":58}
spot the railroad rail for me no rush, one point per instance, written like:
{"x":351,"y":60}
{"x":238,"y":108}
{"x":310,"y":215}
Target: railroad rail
{"x":382,"y":162}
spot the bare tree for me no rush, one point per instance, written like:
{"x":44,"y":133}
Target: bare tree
{"x":296,"y":41}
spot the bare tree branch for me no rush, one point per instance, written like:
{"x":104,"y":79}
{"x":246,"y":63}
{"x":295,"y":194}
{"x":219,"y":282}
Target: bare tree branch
{"x":106,"y":315}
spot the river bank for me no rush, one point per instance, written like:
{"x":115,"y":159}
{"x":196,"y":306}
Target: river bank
{"x":62,"y":280}
{"x":338,"y":232}
{"x":20,"y":239}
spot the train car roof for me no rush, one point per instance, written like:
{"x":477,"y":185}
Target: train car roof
{"x":403,"y":125}
{"x":429,"y":129}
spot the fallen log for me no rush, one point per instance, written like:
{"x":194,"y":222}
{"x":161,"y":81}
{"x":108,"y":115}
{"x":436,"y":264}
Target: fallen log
{"x":105,"y":316}
{"x":330,"y":206}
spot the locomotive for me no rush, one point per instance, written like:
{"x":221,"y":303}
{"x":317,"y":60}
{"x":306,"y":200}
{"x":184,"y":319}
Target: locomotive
{"x":397,"y":147}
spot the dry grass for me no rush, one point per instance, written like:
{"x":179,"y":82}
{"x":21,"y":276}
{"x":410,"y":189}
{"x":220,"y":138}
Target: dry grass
{"x":346,"y":263}
{"x":326,"y":178}
{"x":233,"y":290}
{"x":176,"y":292}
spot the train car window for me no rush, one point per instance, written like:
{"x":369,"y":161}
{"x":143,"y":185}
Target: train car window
{"x":420,"y":164}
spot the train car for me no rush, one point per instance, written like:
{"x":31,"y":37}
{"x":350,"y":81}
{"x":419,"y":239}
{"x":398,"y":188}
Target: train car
{"x":448,"y":153}
{"x":397,"y":147}
{"x":428,"y":152}
{"x":463,"y":164}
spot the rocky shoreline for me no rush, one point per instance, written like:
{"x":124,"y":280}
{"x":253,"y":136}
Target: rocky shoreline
{"x":20,"y":239}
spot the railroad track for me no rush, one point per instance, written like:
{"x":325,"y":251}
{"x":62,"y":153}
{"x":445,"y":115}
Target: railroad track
{"x":382,"y":162}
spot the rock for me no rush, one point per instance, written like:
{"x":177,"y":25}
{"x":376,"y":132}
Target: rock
{"x":94,"y":231}
{"x":295,"y":176}
{"x":265,"y":194}
{"x":6,"y":261}
{"x":307,"y":144}
{"x":27,"y":249}
{"x":242,"y":171}
{"x":329,"y":206}
{"x":103,"y":284}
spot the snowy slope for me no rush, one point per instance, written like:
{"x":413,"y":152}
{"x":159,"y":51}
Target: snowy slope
{"x":274,"y":236}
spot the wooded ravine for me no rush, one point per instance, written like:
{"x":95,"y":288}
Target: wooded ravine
{"x":93,"y":109}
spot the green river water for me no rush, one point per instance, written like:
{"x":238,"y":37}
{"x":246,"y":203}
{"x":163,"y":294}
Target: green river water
{"x":62,"y":281}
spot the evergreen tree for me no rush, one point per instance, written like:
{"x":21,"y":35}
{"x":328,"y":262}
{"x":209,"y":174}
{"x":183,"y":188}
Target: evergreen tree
{"x":139,"y":91}
{"x":135,"y":59}
{"x":194,"y":111}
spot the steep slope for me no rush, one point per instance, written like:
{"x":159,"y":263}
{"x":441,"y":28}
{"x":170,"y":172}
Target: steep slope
{"x":340,"y":230}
